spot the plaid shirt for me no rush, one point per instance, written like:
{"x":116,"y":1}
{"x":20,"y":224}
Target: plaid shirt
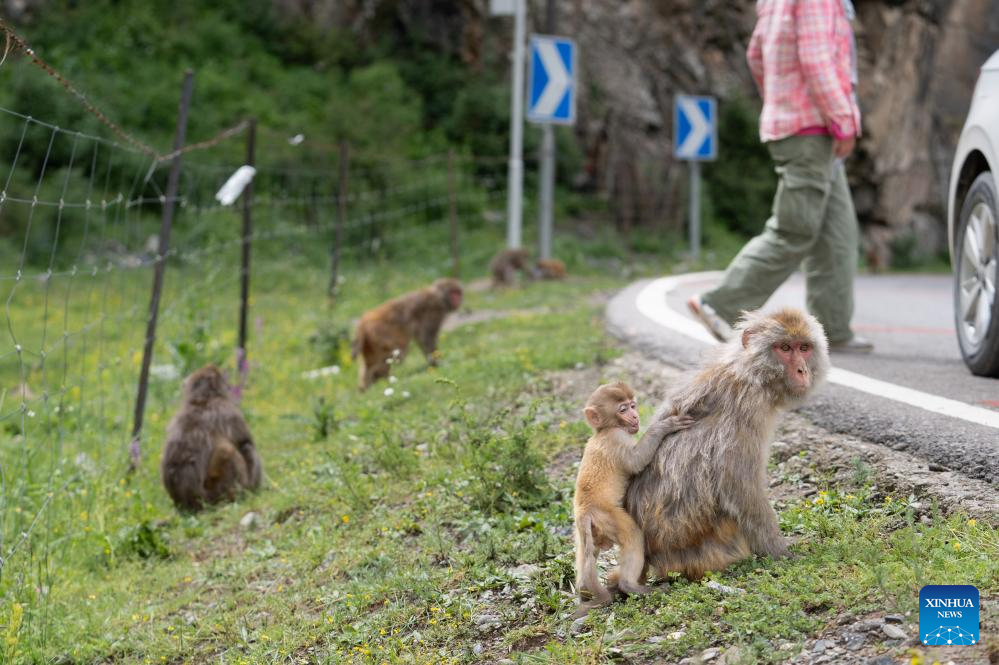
{"x":802,"y":57}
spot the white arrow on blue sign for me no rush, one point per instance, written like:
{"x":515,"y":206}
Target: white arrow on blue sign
{"x":695,"y":128}
{"x":551,"y":80}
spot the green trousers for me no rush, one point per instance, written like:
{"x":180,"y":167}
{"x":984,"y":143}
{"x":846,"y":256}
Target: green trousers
{"x":812,"y":224}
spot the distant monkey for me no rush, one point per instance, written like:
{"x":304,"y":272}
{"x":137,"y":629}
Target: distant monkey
{"x":610,"y":459}
{"x":383,"y":333}
{"x":702,"y":503}
{"x":549,"y":269}
{"x":209,"y":454}
{"x":507,"y":263}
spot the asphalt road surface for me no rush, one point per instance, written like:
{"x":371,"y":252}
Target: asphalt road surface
{"x":912,"y":393}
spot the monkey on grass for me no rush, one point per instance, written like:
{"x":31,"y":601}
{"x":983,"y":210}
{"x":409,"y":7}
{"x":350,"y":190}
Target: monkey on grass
{"x":549,"y":269}
{"x":610,"y":459}
{"x":507,"y":263}
{"x":209,"y":454}
{"x":702,"y":502}
{"x":383,"y":333}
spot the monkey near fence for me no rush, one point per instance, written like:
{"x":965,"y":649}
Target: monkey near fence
{"x":209,"y":455}
{"x":549,"y":269}
{"x":383,"y":333}
{"x":507,"y":263}
{"x":610,"y":459}
{"x":702,"y":502}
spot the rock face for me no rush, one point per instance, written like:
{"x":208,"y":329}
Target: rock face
{"x":918,"y":62}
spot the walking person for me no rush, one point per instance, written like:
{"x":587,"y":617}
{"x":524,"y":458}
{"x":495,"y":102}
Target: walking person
{"x":803,"y":58}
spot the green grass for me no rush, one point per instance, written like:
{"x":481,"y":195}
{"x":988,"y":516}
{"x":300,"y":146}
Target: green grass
{"x":389,"y":523}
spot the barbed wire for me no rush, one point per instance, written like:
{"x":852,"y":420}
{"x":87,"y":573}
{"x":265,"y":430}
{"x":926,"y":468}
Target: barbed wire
{"x":18,"y":42}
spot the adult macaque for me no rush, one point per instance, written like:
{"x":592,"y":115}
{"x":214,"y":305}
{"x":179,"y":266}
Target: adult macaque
{"x":383,"y":333}
{"x":209,"y":455}
{"x":610,"y":459}
{"x":549,"y":269}
{"x":505,"y":265}
{"x":702,"y":502}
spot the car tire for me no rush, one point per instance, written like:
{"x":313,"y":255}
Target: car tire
{"x":976,"y":307}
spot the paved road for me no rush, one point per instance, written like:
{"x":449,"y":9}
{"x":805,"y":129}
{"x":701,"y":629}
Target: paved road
{"x":913,"y":393}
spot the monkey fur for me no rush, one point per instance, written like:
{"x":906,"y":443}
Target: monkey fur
{"x":209,"y":454}
{"x":610,"y":459}
{"x":383,"y":333}
{"x":549,"y":269}
{"x":506,"y":264}
{"x":702,"y":502}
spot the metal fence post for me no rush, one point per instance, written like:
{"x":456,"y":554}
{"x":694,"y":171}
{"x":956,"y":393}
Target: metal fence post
{"x":242,"y":365}
{"x":134,"y":448}
{"x":341,"y":218}
{"x":455,"y":256}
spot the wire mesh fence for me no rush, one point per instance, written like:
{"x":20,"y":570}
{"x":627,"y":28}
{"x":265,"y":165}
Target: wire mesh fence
{"x":81,"y":240}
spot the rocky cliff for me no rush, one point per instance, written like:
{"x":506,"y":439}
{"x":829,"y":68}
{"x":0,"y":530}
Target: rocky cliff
{"x":918,"y":63}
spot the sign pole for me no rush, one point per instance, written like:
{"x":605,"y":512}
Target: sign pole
{"x":547,"y":193}
{"x":516,"y":174}
{"x":695,"y":208}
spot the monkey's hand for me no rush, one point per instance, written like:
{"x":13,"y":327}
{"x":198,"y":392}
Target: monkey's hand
{"x":676,"y":424}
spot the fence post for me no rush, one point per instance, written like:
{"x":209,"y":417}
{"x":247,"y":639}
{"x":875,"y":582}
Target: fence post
{"x":242,"y":365}
{"x":134,"y":449}
{"x":341,"y":218}
{"x":455,"y":257}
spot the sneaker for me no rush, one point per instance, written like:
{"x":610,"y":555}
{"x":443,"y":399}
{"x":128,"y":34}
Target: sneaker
{"x":853,"y":345}
{"x":705,"y":313}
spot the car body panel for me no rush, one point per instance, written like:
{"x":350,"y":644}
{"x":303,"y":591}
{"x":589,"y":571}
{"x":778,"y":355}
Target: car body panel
{"x":981,"y":135}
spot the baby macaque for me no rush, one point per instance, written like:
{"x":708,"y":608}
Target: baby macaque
{"x":610,"y":459}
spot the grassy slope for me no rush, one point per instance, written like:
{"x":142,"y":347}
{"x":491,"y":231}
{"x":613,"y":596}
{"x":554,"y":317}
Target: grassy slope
{"x":392,"y":538}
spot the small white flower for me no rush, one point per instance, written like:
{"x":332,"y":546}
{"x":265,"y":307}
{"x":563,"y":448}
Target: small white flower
{"x":335,"y":369}
{"x":393,"y":379}
{"x":389,"y":392}
{"x":31,"y":414}
{"x":405,"y":393}
{"x":396,"y":353}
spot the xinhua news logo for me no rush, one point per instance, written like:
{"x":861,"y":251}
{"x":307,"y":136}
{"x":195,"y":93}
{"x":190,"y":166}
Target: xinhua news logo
{"x":948,"y":614}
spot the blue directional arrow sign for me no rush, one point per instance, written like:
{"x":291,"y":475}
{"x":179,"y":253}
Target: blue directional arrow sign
{"x":551,"y":80}
{"x":695,"y":128}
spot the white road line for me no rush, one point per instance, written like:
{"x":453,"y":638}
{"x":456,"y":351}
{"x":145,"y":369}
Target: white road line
{"x":651,"y":302}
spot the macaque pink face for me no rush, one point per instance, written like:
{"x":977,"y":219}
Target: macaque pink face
{"x":455,"y":298}
{"x":794,"y":355}
{"x":627,"y":414}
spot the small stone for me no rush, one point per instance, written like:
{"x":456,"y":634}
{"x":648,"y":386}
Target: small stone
{"x":677,"y":635}
{"x":854,"y":641}
{"x":476,"y":648}
{"x":578,"y":626}
{"x":925,"y":519}
{"x":785,"y":646}
{"x":250,"y":521}
{"x":894,"y":618}
{"x":486,"y":622}
{"x":734,"y":656}
{"x":867,"y":625}
{"x":821,"y":645}
{"x":933,"y":466}
{"x":656,"y":639}
{"x":881,"y":660}
{"x":724,"y":589}
{"x":710,"y":654}
{"x":504,"y":661}
{"x":523,"y":571}
{"x":894,"y":632}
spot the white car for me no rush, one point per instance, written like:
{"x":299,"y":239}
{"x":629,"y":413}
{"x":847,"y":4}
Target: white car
{"x":973,"y":226}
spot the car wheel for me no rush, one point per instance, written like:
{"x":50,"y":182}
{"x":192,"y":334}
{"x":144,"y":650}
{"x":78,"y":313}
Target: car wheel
{"x":976,"y":312}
